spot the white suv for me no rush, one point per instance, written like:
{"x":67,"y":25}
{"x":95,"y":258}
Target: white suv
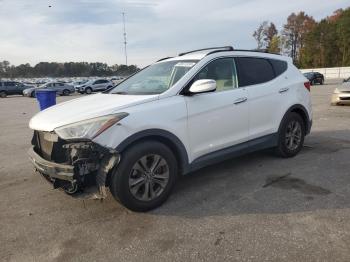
{"x":171,"y":118}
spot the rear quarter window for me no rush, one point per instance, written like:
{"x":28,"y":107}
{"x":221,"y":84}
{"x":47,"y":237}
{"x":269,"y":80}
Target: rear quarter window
{"x":253,"y":70}
{"x":279,"y":66}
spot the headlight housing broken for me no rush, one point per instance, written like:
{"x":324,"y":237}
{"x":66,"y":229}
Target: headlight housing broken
{"x":89,"y":129}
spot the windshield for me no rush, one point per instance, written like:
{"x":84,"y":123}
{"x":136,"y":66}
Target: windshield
{"x":154,"y":79}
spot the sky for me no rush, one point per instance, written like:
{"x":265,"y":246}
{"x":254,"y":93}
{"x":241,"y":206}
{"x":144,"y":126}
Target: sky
{"x":32,"y":31}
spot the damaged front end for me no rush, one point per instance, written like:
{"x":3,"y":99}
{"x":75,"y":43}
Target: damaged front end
{"x":73,"y":166}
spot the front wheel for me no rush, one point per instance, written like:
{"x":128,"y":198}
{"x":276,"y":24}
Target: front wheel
{"x":291,"y":135}
{"x":33,"y":94}
{"x":66,"y":92}
{"x":145,"y":176}
{"x":88,"y":90}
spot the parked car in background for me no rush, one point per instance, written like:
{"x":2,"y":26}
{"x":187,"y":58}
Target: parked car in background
{"x":117,"y":79}
{"x":314,"y":78}
{"x":175,"y":116}
{"x":12,"y":88}
{"x":341,"y":95}
{"x":79,"y":83}
{"x":59,"y":87}
{"x":94,"y":85}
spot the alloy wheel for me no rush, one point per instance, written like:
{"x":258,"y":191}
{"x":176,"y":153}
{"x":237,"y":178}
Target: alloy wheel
{"x":149,"y":177}
{"x":293,"y":135}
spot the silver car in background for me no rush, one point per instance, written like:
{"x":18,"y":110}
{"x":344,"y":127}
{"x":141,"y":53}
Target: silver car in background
{"x":94,"y":85}
{"x":62,"y":89}
{"x":341,"y":95}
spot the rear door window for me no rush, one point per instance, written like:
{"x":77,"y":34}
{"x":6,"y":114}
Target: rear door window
{"x":253,"y":71}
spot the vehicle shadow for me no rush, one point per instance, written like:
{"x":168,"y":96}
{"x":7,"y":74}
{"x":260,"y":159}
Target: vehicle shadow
{"x":263,"y":183}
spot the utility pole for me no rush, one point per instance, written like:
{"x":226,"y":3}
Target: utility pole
{"x":126,"y":55}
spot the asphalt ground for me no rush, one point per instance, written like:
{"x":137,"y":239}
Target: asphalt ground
{"x":253,"y":208}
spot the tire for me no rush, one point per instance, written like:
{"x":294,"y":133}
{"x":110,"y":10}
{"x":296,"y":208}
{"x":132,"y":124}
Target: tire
{"x":285,"y":148}
{"x":322,"y":82}
{"x":129,"y":170}
{"x":33,"y":94}
{"x":3,"y":94}
{"x":66,"y":92}
{"x":88,"y":90}
{"x":312,"y":82}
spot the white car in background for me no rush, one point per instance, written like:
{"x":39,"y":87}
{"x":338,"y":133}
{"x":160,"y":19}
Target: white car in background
{"x":173,"y":117}
{"x":341,"y":95}
{"x":117,"y":79}
{"x":94,"y":85}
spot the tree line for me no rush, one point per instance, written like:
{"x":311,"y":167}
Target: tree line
{"x":70,"y":69}
{"x":310,"y":43}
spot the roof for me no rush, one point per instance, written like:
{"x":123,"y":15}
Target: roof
{"x":226,"y":50}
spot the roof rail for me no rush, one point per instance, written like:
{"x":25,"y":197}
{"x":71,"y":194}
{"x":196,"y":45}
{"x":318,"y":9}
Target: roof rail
{"x":257,"y":51}
{"x":164,"y":58}
{"x":221,"y":48}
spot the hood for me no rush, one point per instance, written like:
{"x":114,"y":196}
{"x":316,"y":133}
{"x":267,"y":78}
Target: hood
{"x":81,"y":85}
{"x":85,"y":108}
{"x":345,"y":87}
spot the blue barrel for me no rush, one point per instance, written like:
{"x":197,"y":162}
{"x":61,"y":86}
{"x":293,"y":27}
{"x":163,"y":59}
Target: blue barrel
{"x":46,"y":98}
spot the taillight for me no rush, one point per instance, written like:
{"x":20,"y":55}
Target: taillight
{"x":307,"y":85}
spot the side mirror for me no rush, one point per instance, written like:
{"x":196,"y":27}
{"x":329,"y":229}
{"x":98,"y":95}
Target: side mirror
{"x":203,"y":86}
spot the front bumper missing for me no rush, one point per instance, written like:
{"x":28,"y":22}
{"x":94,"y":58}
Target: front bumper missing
{"x":51,"y":169}
{"x":86,"y":166}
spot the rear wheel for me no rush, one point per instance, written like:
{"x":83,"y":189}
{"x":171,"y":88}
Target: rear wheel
{"x":88,"y":90}
{"x":145,"y":176}
{"x":66,"y":92}
{"x":291,"y":135}
{"x":3,"y":94}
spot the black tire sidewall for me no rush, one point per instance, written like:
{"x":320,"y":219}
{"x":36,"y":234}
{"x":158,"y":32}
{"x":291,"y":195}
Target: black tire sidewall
{"x":119,"y":184}
{"x":282,"y":149}
{"x":66,"y":92}
{"x":3,"y":94}
{"x":88,"y":90}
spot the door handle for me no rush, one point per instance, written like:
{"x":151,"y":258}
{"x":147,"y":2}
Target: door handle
{"x":240,"y":100}
{"x":282,"y":90}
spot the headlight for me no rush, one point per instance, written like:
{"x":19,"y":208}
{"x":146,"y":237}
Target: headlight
{"x":89,"y":128}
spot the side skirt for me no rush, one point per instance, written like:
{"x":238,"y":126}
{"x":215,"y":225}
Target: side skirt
{"x":234,"y":151}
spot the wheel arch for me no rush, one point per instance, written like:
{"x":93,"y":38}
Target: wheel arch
{"x":163,"y":136}
{"x":300,"y":110}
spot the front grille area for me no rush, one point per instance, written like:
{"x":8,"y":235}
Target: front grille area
{"x":49,"y":150}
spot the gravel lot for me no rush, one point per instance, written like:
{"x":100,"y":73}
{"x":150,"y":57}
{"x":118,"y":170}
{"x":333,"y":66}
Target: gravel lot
{"x":253,"y":208}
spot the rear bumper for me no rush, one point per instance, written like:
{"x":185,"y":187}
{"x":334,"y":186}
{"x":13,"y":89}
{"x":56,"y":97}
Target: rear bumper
{"x":51,"y":169}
